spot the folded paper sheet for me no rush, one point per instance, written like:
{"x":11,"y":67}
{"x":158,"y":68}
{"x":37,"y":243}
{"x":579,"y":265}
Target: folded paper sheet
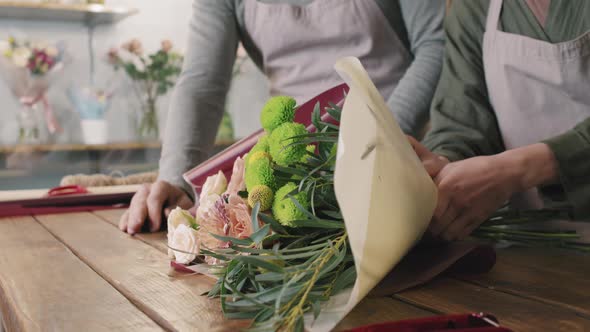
{"x":386,"y":196}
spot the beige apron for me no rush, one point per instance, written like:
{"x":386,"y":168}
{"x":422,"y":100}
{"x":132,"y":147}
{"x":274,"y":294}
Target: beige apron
{"x":537,"y":89}
{"x":301,"y":44}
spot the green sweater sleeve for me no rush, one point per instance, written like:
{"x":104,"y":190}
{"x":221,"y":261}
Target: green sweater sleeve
{"x":572,"y":151}
{"x":463,"y":122}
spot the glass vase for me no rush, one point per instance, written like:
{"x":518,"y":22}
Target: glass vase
{"x":28,"y":125}
{"x":148,"y":129}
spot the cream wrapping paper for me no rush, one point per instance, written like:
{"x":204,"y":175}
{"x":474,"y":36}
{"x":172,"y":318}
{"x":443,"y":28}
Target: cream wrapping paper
{"x":386,"y":197}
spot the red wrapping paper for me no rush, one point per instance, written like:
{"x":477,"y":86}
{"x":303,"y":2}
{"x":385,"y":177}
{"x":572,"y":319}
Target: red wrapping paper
{"x":224,"y":160}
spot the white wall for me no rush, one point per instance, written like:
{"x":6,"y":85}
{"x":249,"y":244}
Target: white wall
{"x":157,"y":20}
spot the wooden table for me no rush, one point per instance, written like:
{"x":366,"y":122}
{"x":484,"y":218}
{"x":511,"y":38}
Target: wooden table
{"x":78,"y":272}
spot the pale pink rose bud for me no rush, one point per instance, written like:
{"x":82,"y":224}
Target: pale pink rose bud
{"x":166,"y":45}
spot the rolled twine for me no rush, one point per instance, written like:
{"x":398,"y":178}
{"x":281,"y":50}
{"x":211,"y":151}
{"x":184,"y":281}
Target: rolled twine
{"x":102,"y":180}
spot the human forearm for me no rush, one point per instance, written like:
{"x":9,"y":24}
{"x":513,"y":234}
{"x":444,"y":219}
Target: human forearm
{"x":199,"y":96}
{"x":572,"y":152}
{"x":410,"y":102}
{"x":528,"y":166}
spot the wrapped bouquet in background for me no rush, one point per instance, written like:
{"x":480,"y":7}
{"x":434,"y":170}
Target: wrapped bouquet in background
{"x":29,"y":68}
{"x":152,"y":76}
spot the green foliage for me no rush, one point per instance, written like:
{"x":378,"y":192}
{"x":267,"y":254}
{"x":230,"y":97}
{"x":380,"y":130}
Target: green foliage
{"x":282,"y":149}
{"x":497,"y":229}
{"x":276,"y":111}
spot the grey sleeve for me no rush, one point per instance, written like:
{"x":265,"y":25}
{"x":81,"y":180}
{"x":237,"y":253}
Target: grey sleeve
{"x":198,"y":99}
{"x":410,"y":101}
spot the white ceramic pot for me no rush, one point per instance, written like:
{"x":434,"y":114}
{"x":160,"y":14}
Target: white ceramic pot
{"x":94,"y":131}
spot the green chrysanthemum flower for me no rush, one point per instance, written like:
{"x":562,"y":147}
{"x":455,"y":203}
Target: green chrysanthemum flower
{"x":261,"y":145}
{"x":279,"y":142}
{"x":276,"y":111}
{"x":259,"y":155}
{"x":259,"y":172}
{"x":283,"y":207}
{"x":262,"y":194}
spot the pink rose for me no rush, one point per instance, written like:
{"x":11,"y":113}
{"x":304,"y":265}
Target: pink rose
{"x":240,"y":221}
{"x":113,"y":56}
{"x":166,"y":45}
{"x":213,"y":220}
{"x":236,"y":183}
{"x":133,"y":46}
{"x":215,"y":184}
{"x":186,"y":240}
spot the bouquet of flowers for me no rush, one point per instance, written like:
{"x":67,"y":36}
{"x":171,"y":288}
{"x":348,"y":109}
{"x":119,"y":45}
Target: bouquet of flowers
{"x":294,"y":235}
{"x":152,"y":76}
{"x":310,"y":222}
{"x":29,"y":68}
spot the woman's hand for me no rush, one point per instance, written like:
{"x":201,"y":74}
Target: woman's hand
{"x":432,"y":162}
{"x":469,"y":191}
{"x":150,"y":204}
{"x":473,"y":189}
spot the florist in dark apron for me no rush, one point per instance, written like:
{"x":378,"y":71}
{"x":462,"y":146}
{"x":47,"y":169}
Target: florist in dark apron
{"x":510,"y":118}
{"x":295,"y":43}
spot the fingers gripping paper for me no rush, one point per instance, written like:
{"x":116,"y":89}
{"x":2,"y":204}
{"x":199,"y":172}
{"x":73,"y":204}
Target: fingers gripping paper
{"x":386,"y":196}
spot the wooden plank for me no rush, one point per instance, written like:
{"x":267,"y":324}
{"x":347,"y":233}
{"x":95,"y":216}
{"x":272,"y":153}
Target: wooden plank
{"x":139,"y":272}
{"x":43,"y":286}
{"x":553,"y":276}
{"x":156,"y":240}
{"x":518,"y":313}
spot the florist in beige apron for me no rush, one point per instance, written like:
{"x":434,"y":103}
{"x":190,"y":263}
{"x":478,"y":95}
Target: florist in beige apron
{"x":537,"y":89}
{"x":319,"y":34}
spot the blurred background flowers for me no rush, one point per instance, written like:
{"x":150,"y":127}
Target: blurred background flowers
{"x":28,"y":68}
{"x":152,"y":75}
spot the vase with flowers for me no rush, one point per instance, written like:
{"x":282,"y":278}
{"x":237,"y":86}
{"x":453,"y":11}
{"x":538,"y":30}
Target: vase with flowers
{"x":29,"y":67}
{"x":152,"y":75}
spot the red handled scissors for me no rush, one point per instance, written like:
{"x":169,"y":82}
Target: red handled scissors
{"x":67,"y":190}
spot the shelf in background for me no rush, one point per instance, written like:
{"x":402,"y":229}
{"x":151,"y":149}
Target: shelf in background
{"x":92,"y":14}
{"x":29,"y":148}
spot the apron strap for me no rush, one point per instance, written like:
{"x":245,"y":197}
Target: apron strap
{"x":494,"y":15}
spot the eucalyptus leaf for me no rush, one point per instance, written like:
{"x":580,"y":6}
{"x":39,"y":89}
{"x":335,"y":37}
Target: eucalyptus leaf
{"x":242,"y":242}
{"x":344,"y":279}
{"x":254,"y":218}
{"x":260,"y":262}
{"x":316,"y":308}
{"x":275,"y":225}
{"x":260,"y":234}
